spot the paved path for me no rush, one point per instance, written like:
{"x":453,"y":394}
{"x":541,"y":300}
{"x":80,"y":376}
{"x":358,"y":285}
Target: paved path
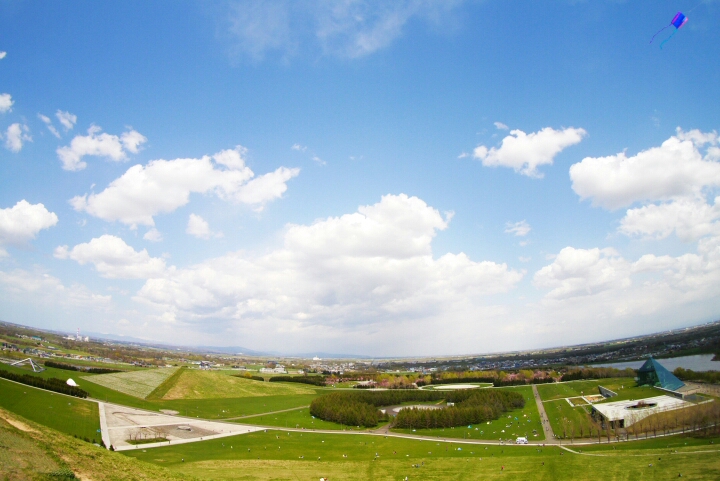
{"x":263,"y":414}
{"x":549,"y":435}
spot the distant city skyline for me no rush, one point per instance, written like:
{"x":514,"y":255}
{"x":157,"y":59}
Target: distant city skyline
{"x":415,"y":178}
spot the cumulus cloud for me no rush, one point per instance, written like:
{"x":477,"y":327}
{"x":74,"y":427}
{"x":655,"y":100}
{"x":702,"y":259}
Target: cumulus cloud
{"x":153,"y":235}
{"x":15,"y":136}
{"x":576,"y":272}
{"x":689,"y":218}
{"x":162,"y":186}
{"x":676,"y":168}
{"x":99,"y":144}
{"x":23,"y":221}
{"x":6,"y":103}
{"x":347,"y":29}
{"x":518,"y":229}
{"x":2,"y":55}
{"x":340,"y":274}
{"x":48,"y":123}
{"x":198,"y":227}
{"x":671,"y":181}
{"x":526,"y":152}
{"x":67,"y":119}
{"x":597,"y":291}
{"x":114,"y":259}
{"x":501,"y":126}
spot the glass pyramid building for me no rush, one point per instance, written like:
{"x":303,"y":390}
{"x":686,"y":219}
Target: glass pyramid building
{"x":652,"y":373}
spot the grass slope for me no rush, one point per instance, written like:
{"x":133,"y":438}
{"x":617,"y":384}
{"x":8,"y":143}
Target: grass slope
{"x":134,"y":383}
{"x":29,"y":451}
{"x":196,"y":384}
{"x":276,"y":455}
{"x":65,"y":413}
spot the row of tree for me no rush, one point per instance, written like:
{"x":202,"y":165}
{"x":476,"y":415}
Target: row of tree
{"x":360,"y":408}
{"x":70,"y":367}
{"x":596,"y":373}
{"x":51,"y":384}
{"x":312,"y":380}
{"x":483,"y":405}
{"x":712,"y":377}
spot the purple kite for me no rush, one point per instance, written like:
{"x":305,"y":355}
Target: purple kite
{"x":678,"y":21}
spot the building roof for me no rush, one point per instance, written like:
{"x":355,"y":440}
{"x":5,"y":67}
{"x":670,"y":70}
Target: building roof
{"x":616,"y":410}
{"x":666,"y":379}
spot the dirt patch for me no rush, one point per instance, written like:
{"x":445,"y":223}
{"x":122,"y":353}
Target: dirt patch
{"x":17,"y":424}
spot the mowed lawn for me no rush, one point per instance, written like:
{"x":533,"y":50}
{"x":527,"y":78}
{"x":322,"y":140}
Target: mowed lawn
{"x":197,"y":384}
{"x":299,"y":418}
{"x":562,"y":390}
{"x":68,"y":414}
{"x":519,"y":422}
{"x":134,"y":383}
{"x":280,"y":455}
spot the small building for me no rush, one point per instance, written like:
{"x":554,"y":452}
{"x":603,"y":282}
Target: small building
{"x":621,"y":414}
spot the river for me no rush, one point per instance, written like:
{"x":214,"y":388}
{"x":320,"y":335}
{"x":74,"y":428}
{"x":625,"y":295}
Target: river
{"x":699,"y":362}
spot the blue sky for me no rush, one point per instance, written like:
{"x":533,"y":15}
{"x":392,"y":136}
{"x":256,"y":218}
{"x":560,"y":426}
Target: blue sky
{"x":412,"y":178}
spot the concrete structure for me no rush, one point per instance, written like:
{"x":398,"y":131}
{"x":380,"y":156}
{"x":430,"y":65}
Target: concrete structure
{"x":621,"y":414}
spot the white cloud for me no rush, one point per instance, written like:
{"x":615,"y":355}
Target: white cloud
{"x":15,"y":136}
{"x":318,"y":160}
{"x":349,"y":29}
{"x":501,"y":126}
{"x":114,"y":259}
{"x":40,"y":287}
{"x":153,"y":235}
{"x":463,"y":155}
{"x":526,"y":152}
{"x":676,"y":168}
{"x":6,"y":103}
{"x":67,"y":119}
{"x":336,"y":277}
{"x":23,"y":221}
{"x":597,"y":294}
{"x":578,"y":272}
{"x":518,"y":229}
{"x":524,"y":259}
{"x":2,"y":55}
{"x":299,"y":148}
{"x":49,"y":125}
{"x":162,"y":186}
{"x":198,"y":227}
{"x":689,"y":218}
{"x":98,"y":144}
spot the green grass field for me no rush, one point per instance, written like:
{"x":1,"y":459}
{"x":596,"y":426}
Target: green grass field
{"x":300,"y":418}
{"x":277,"y":455}
{"x":65,"y":413}
{"x":561,"y":390}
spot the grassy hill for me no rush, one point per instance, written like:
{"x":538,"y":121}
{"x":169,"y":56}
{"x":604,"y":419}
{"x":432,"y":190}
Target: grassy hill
{"x":196,"y":384}
{"x":30,"y":451}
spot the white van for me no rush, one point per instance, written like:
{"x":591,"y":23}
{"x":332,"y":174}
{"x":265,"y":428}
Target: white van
{"x":521,"y":440}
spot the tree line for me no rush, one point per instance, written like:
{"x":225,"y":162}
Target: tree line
{"x":482,"y":405}
{"x":50,"y":384}
{"x":712,"y":377}
{"x":91,"y":370}
{"x":360,"y":408}
{"x":313,"y":380}
{"x":596,"y":373}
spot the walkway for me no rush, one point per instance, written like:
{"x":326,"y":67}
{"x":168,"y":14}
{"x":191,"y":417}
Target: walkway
{"x":549,"y":435}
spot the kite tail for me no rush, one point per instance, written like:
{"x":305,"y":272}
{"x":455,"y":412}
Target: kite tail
{"x":664,"y":41}
{"x":656,"y":34}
